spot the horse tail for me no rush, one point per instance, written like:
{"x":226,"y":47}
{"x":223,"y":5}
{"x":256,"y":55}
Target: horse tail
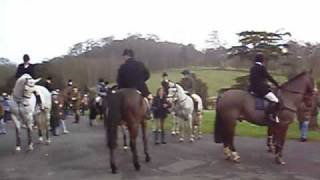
{"x":218,"y":129}
{"x":111,"y":122}
{"x":218,"y":124}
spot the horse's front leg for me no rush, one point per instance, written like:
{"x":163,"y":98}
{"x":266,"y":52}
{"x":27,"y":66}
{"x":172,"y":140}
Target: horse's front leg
{"x":181,"y":129}
{"x":280,"y":132}
{"x":270,"y":140}
{"x":30,"y":141}
{"x":18,"y":132}
{"x":145,"y":140}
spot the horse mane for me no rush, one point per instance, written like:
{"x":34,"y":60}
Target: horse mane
{"x":18,"y":88}
{"x":294,"y":78}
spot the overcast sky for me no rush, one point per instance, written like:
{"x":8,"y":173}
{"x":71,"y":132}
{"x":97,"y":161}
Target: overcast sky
{"x":48,"y":28}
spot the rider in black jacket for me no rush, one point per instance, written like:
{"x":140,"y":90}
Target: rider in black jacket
{"x":259,"y":77}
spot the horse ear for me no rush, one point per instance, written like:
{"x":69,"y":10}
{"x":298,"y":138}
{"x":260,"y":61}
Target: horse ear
{"x":37,"y":80}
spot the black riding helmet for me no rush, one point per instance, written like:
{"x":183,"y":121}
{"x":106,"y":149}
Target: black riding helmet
{"x":185,"y":72}
{"x":259,"y":58}
{"x":164,"y":74}
{"x":128,"y":52}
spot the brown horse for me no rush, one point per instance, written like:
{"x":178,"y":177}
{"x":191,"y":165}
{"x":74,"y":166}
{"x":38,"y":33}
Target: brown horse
{"x":233,"y":105}
{"x":125,"y":107}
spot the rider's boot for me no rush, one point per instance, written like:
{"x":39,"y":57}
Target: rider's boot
{"x":271,"y":112}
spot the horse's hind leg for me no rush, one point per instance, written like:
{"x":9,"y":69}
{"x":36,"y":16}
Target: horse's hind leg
{"x":190,"y":128}
{"x":112,"y":136}
{"x":30,"y":142}
{"x":133,"y":137}
{"x":145,"y":140}
{"x":124,"y":135}
{"x":229,"y":129}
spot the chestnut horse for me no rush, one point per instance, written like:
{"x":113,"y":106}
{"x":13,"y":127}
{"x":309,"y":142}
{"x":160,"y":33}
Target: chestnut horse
{"x":125,"y":107}
{"x":233,"y":105}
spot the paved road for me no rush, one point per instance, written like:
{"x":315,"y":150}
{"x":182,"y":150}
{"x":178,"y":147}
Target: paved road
{"x":82,"y":155}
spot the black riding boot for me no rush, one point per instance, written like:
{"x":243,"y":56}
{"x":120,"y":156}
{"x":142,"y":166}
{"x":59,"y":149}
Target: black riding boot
{"x":163,"y":141}
{"x":271,"y":112}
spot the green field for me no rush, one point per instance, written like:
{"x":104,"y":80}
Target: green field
{"x":215,"y":80}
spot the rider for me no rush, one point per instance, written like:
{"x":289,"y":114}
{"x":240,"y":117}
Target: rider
{"x":188,"y":84}
{"x":258,"y":84}
{"x":101,"y":90}
{"x":48,"y":84}
{"x":165,"y":83}
{"x":27,"y":68}
{"x":134,"y":74}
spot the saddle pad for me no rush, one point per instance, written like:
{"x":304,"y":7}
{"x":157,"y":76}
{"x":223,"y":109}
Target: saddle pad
{"x":260,"y":104}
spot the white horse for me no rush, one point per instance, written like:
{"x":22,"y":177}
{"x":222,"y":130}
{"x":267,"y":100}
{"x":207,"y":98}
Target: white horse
{"x":183,"y":108}
{"x":24,"y":111}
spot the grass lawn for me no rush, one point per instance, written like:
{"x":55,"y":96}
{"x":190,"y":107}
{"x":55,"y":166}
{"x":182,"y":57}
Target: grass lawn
{"x":247,"y":129}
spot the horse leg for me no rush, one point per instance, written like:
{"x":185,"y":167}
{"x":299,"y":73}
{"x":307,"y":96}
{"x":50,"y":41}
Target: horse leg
{"x":229,"y":140}
{"x":270,"y":140}
{"x":29,"y":131}
{"x":181,"y":129}
{"x":145,"y":140}
{"x":40,"y":135}
{"x":190,"y":128}
{"x":18,"y":132}
{"x":133,"y":136}
{"x":112,"y":136}
{"x":280,"y":132}
{"x":199,"y":127}
{"x":47,"y":118}
{"x":125,"y":145}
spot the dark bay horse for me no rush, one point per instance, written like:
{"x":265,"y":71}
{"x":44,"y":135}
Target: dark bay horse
{"x":233,"y":105}
{"x":125,"y":107}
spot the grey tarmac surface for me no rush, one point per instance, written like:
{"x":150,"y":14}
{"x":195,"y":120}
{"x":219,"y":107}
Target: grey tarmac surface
{"x":83,"y":155}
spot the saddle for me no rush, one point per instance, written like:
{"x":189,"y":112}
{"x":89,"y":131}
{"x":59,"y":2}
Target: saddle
{"x":261,"y":104}
{"x":195,"y":102}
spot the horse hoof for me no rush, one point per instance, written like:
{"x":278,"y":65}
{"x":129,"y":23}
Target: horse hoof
{"x":280,"y":161}
{"x":40,"y":139}
{"x":18,"y":148}
{"x":30,"y":147}
{"x":173,"y":133}
{"x":137,"y":167}
{"x":48,"y":142}
{"x":113,"y":169}
{"x":191,"y":140}
{"x":125,"y":148}
{"x":148,"y":159}
{"x":181,"y":140}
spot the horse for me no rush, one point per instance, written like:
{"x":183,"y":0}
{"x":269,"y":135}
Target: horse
{"x":197,"y":117}
{"x":125,"y":107}
{"x":183,"y":108}
{"x":235,"y":104}
{"x":23,"y":108}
